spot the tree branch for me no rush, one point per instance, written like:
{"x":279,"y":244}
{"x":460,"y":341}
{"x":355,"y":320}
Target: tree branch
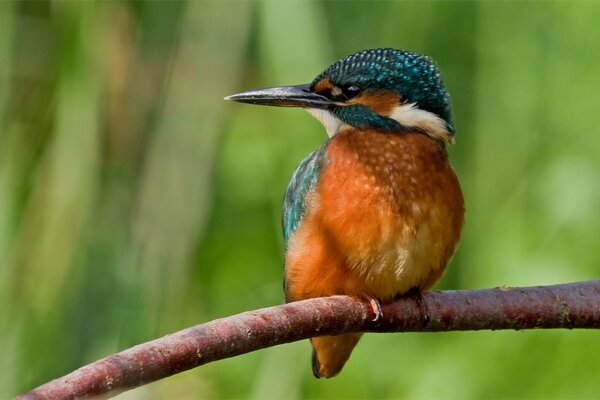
{"x":575,"y":305}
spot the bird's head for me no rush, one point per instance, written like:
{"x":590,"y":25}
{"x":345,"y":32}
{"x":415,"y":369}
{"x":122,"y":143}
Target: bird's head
{"x":386,"y":89}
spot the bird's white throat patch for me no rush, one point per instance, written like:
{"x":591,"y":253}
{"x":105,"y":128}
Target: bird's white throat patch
{"x":331,"y":123}
{"x":410,"y":115}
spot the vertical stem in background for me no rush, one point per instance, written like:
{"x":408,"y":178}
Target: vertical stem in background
{"x":176,"y":184}
{"x":8,"y":334}
{"x":6,"y":173}
{"x":65,"y":186}
{"x":507,"y":117}
{"x":49,"y":175}
{"x":6,"y":37}
{"x":311,"y":49}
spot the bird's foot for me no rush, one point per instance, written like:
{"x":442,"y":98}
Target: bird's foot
{"x":376,"y":307}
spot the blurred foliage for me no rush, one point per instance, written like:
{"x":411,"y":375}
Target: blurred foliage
{"x":135,"y":202}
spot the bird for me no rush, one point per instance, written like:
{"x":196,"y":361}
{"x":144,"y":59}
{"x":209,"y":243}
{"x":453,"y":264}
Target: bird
{"x":377,"y":210}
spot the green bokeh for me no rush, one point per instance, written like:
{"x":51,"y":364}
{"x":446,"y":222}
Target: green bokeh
{"x":135,"y":202}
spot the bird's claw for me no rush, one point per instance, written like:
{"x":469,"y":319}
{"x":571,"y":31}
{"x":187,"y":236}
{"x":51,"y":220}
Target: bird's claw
{"x":376,"y":307}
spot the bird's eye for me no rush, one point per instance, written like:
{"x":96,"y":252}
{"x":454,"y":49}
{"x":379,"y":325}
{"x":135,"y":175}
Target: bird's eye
{"x":351,"y":91}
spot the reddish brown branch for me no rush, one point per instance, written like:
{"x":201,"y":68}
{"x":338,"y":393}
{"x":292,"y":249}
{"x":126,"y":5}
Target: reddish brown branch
{"x":575,"y":305}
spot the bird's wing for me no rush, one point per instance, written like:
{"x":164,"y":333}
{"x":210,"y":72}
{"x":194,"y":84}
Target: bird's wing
{"x":304,"y":179}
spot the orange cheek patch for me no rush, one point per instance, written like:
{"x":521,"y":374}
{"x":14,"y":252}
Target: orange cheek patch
{"x":323,"y":85}
{"x":382,"y":103}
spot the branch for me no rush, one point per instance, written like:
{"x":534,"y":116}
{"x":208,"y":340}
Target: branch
{"x":575,"y":305}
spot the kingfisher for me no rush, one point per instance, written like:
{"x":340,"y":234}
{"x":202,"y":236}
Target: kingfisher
{"x":377,"y":210}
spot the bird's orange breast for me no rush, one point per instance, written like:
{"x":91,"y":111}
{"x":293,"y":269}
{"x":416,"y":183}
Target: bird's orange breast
{"x":385,"y":217}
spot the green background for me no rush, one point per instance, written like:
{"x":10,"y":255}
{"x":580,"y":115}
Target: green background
{"x":134,"y":201}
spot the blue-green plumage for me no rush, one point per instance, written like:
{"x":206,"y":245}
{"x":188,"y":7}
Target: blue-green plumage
{"x":362,"y":117}
{"x":304,"y":179}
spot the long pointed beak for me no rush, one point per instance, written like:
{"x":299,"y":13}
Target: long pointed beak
{"x":283,"y":96}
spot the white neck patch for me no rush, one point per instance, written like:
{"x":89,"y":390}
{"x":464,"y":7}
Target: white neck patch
{"x":411,"y":116}
{"x":331,"y":123}
{"x":406,"y":114}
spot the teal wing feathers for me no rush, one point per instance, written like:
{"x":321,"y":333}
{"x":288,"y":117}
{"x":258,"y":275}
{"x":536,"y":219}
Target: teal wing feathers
{"x":304,"y":179}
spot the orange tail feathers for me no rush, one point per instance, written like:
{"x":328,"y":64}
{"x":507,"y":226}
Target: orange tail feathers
{"x":330,"y":353}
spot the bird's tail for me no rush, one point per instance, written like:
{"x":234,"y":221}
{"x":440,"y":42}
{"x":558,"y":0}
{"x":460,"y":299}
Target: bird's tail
{"x":330,"y":353}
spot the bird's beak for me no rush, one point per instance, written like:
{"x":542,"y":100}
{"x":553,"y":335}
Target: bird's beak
{"x":283,"y":96}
